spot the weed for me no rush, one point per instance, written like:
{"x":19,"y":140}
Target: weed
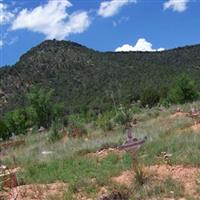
{"x":170,"y":188}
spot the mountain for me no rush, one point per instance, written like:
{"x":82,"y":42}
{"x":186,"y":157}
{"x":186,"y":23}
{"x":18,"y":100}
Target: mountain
{"x":85,"y":78}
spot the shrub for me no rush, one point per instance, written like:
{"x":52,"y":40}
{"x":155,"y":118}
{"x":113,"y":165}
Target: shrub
{"x":165,"y":102}
{"x":17,"y":121}
{"x":106,"y":124}
{"x":183,"y":91}
{"x":135,"y":109}
{"x":123,"y":115}
{"x":55,"y":133}
{"x":105,"y":121}
{"x":76,"y":126}
{"x":4,"y":133}
{"x":150,"y":97}
{"x":140,"y":176}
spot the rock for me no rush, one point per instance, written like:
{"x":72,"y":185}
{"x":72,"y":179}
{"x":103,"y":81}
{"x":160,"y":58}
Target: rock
{"x":116,"y":196}
{"x":47,"y":152}
{"x":41,"y":130}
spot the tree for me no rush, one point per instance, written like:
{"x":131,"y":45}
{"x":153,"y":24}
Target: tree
{"x":18,"y":121}
{"x":46,"y":109}
{"x":184,"y":90}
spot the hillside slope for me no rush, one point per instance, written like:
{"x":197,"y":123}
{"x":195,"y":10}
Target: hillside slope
{"x":84,"y":78}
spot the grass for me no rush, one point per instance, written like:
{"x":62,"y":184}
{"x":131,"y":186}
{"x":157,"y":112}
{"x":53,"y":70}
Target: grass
{"x":76,"y":170}
{"x":69,"y":161}
{"x":168,"y":188}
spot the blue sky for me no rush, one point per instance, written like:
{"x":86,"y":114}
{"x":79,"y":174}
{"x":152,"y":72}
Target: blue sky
{"x":107,"y":25}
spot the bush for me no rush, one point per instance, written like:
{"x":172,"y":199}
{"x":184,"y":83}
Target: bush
{"x":165,"y":103}
{"x":76,"y":126}
{"x":55,"y":133}
{"x":105,"y":121}
{"x":150,"y":97}
{"x":106,"y":124}
{"x":183,"y":91}
{"x":4,"y":133}
{"x":17,"y":121}
{"x":123,"y":115}
{"x":135,"y":109}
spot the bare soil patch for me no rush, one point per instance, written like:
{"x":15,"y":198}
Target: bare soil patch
{"x":178,"y":114}
{"x":126,"y":178}
{"x":38,"y":191}
{"x":187,"y":176}
{"x":196,"y":127}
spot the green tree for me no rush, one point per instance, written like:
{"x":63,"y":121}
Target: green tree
{"x":46,"y":109}
{"x":17,"y":121}
{"x":184,"y":90}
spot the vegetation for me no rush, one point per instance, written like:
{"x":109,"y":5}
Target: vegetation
{"x":45,"y":108}
{"x":150,"y":97}
{"x":85,"y":79}
{"x":40,"y":111}
{"x":55,"y":131}
{"x":76,"y":163}
{"x":4,"y":134}
{"x":19,"y":120}
{"x":184,"y":90}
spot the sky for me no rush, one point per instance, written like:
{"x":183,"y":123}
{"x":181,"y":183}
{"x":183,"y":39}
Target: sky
{"x":103,"y":25}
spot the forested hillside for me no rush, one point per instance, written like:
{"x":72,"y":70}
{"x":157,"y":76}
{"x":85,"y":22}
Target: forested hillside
{"x":88,"y":79}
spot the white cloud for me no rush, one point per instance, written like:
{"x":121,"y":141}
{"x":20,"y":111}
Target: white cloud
{"x":5,"y":15}
{"x":52,"y":20}
{"x":110,"y":8}
{"x":141,"y":45}
{"x":1,"y":43}
{"x":176,"y":5}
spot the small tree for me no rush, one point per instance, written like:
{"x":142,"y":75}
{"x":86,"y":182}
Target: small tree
{"x":43,"y":105}
{"x":183,"y":91}
{"x":17,"y":121}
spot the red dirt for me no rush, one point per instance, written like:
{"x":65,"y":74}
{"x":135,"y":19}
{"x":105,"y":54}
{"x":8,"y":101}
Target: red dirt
{"x":185,"y":175}
{"x":196,"y":127}
{"x":38,"y":191}
{"x":126,"y":178}
{"x":178,"y":114}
